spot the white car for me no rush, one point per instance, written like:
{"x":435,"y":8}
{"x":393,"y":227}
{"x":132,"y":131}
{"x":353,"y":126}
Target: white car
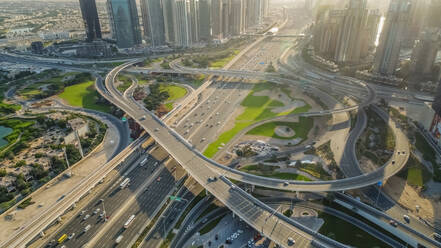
{"x":71,"y":236}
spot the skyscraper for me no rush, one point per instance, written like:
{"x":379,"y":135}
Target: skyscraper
{"x":392,"y":36}
{"x":153,"y":22}
{"x":425,"y":51}
{"x":205,"y":19}
{"x":236,"y":21}
{"x":326,"y":30}
{"x":216,"y":19}
{"x":351,"y":33}
{"x":124,"y":22}
{"x":169,"y":28}
{"x":181,"y":20}
{"x":90,"y":19}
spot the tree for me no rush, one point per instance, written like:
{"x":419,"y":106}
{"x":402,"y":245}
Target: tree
{"x":3,"y":172}
{"x":270,"y":68}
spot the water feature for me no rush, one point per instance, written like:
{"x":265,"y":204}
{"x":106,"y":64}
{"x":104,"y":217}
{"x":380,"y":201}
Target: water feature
{"x":4,"y":131}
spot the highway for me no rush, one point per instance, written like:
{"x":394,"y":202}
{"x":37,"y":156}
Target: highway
{"x":113,"y":197}
{"x":392,"y":167}
{"x":249,"y":209}
{"x":275,"y":201}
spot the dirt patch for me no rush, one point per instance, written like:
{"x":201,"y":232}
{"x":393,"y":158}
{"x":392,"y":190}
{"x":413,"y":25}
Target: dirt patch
{"x":409,"y":197}
{"x":284,"y":131}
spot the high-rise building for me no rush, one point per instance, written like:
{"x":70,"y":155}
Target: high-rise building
{"x":216,"y":19}
{"x":416,"y":20}
{"x":90,"y":19}
{"x":392,"y":36}
{"x":326,"y":30}
{"x":124,"y":22}
{"x":352,"y":32}
{"x":205,"y":20}
{"x":153,"y":22}
{"x":425,"y":51}
{"x":236,"y":20}
{"x":169,"y":28}
{"x":433,"y":14}
{"x":226,"y":8}
{"x":194,"y":20}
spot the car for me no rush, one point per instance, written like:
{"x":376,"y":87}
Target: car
{"x":203,"y":139}
{"x":239,"y":231}
{"x":216,"y":237}
{"x":403,"y":152}
{"x":159,"y":179}
{"x":212,"y":179}
{"x":142,"y":118}
{"x":209,"y":243}
{"x":82,"y":212}
{"x":204,"y":221}
{"x":102,"y":215}
{"x":96,"y":211}
{"x":437,"y":236}
{"x":393,"y":223}
{"x":406,"y":218}
{"x":228,"y":241}
{"x":285,"y":184}
{"x":156,"y":129}
{"x":291,"y":241}
{"x":87,"y":228}
{"x":398,"y":153}
{"x":100,"y":201}
{"x":71,"y":236}
{"x":86,"y":217}
{"x":393,"y":161}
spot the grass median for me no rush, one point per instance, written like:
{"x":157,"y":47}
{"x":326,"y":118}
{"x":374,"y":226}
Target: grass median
{"x":256,"y":108}
{"x":84,"y":95}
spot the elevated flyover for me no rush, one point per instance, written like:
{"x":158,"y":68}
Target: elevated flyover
{"x":272,"y":224}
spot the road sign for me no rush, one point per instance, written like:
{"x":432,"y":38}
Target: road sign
{"x":175,"y":198}
{"x":380,"y":183}
{"x":124,"y":119}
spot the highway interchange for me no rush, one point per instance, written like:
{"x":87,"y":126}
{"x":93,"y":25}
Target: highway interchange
{"x":220,"y":97}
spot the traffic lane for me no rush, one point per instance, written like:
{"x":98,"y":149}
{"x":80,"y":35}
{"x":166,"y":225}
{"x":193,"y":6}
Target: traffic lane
{"x":214,"y":119}
{"x":210,"y":130}
{"x":143,"y":210}
{"x":113,"y":193}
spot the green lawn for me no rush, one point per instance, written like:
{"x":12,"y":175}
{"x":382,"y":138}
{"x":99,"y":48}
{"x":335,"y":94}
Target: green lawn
{"x":257,"y":108}
{"x":269,"y":171}
{"x":210,"y":226}
{"x":415,"y":176}
{"x":347,"y":233}
{"x":175,"y":92}
{"x":222,"y":62}
{"x":83,"y":95}
{"x":55,"y":83}
{"x":300,"y":128}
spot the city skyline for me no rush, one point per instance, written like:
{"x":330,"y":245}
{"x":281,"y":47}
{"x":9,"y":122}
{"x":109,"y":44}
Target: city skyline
{"x":220,"y":123}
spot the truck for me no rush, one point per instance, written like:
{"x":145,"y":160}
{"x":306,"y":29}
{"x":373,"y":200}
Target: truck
{"x":129,"y":221}
{"x":125,"y":183}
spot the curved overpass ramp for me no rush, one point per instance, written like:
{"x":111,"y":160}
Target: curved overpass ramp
{"x":393,"y":166}
{"x":271,"y":223}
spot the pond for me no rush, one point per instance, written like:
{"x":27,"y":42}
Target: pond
{"x":4,"y":131}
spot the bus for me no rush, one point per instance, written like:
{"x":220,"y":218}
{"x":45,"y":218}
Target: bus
{"x":129,"y":221}
{"x":125,"y":183}
{"x":62,"y":238}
